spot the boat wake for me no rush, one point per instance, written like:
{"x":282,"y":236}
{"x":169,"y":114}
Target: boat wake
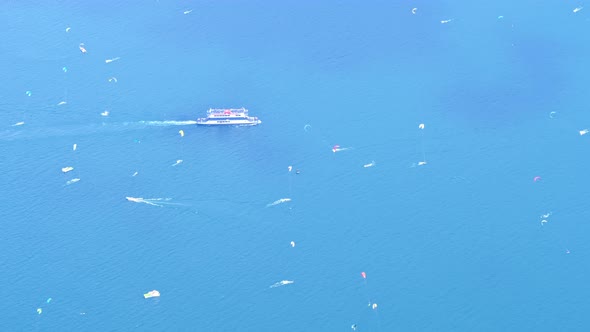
{"x":168,"y":123}
{"x":18,"y":131}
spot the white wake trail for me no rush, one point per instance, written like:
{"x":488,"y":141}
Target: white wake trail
{"x":168,"y":123}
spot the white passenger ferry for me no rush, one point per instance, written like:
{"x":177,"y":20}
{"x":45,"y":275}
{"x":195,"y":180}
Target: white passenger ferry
{"x":228,"y":116}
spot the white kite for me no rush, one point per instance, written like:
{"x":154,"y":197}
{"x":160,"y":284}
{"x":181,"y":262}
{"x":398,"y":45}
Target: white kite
{"x":279,"y":201}
{"x":153,"y":293}
{"x":281,"y":283}
{"x":67,"y":169}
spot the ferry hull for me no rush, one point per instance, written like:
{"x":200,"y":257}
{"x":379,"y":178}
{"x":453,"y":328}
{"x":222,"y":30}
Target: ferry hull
{"x":212,"y":123}
{"x":228,"y":117}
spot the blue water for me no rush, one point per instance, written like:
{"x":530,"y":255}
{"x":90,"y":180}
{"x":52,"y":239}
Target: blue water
{"x":453,"y":245}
